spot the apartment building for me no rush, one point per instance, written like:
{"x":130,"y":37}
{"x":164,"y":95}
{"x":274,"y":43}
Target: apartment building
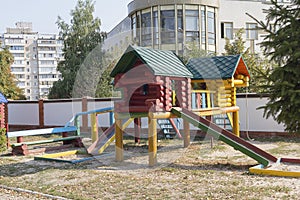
{"x":35,"y":59}
{"x":172,"y":25}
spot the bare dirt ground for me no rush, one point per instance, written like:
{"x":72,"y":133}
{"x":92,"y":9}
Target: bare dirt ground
{"x":200,"y":171}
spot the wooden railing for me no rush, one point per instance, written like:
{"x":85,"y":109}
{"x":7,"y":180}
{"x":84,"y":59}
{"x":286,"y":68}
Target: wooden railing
{"x":202,"y":99}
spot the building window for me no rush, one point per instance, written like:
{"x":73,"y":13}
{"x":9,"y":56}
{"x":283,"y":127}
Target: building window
{"x":251,"y":31}
{"x":21,"y":84}
{"x":192,"y":25}
{"x":227,"y":30}
{"x":16,"y":48}
{"x":168,"y":26}
{"x":211,"y":28}
{"x":203,"y":27}
{"x":18,"y":55}
{"x":146,"y":29}
{"x":17,"y":69}
{"x":18,"y":62}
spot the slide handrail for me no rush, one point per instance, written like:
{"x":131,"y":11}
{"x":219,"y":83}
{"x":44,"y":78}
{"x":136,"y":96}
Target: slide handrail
{"x":75,"y":117}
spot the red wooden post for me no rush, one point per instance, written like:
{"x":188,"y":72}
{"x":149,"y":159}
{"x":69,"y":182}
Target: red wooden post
{"x":2,"y":115}
{"x":41,"y":113}
{"x":6,"y":116}
{"x":137,"y":130}
{"x":20,"y":139}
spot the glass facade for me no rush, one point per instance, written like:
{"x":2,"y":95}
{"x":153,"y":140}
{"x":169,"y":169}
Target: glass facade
{"x":172,"y":27}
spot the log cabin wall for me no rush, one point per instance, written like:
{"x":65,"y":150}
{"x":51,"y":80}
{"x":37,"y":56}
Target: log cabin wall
{"x":141,"y":90}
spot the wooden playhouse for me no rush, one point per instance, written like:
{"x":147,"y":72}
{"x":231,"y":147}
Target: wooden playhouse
{"x":152,"y":82}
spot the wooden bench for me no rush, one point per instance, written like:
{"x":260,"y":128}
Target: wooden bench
{"x":21,"y":147}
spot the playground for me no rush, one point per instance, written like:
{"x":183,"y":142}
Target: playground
{"x":159,"y":153}
{"x":197,"y":172}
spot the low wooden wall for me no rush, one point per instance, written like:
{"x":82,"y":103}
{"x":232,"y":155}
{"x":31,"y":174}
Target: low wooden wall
{"x":51,"y":113}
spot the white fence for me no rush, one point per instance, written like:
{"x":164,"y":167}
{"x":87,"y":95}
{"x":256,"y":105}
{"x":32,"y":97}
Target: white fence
{"x":58,"y":113}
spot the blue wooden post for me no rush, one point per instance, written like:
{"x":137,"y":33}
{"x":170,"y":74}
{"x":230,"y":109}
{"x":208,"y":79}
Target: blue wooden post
{"x":193,"y":100}
{"x":111,"y":118}
{"x":203,"y":100}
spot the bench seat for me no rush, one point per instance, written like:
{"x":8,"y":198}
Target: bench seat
{"x":46,"y":141}
{"x":21,"y":147}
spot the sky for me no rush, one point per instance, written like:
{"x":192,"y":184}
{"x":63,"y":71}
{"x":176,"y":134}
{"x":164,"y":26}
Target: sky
{"x":43,"y":13}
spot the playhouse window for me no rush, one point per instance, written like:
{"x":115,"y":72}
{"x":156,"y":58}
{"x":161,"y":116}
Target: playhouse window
{"x":145,"y":90}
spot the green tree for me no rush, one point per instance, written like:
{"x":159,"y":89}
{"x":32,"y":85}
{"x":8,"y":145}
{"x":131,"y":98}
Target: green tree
{"x":83,"y":61}
{"x":258,"y":67}
{"x":282,"y":45}
{"x":3,"y":140}
{"x":193,"y":50}
{"x":105,"y":86}
{"x":8,"y":86}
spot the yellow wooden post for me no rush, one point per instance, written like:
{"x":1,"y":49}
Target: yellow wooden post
{"x":236,"y":124}
{"x":94,"y":127}
{"x":152,"y":140}
{"x":208,"y":100}
{"x":235,"y":115}
{"x":187,"y":134}
{"x":119,"y":140}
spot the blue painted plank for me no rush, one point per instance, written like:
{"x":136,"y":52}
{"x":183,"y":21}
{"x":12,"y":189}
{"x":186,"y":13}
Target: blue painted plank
{"x":203,"y":100}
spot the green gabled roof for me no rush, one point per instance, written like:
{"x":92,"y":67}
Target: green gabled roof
{"x":159,"y":62}
{"x":218,"y":67}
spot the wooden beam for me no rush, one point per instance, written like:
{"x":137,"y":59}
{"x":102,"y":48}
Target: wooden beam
{"x":119,"y":140}
{"x":187,"y":134}
{"x":152,"y":141}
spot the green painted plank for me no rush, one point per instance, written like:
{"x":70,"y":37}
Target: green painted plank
{"x":46,"y":141}
{"x":131,"y":115}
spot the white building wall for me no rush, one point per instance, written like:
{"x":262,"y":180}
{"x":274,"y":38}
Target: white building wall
{"x":234,"y":11}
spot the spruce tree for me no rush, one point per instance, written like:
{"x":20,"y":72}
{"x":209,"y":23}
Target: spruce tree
{"x":282,"y":46}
